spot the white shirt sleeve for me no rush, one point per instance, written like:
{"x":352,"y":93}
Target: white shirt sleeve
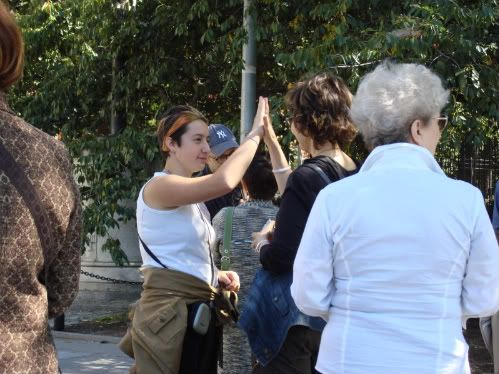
{"x":312,"y":288}
{"x":480,"y":294}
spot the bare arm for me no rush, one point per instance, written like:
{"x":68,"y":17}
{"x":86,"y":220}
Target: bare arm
{"x":170,"y":191}
{"x":277,"y":158}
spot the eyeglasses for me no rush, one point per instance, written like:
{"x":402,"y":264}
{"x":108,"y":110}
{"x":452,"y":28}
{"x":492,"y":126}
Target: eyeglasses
{"x":442,"y":122}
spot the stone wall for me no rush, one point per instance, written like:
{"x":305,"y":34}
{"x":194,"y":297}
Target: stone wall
{"x":96,"y":261}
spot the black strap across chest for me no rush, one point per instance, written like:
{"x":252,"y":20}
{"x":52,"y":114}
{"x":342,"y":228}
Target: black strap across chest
{"x":149,"y":252}
{"x":321,"y":172}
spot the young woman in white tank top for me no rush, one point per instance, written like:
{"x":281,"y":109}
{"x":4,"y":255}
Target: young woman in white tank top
{"x":171,"y":217}
{"x":172,"y":221}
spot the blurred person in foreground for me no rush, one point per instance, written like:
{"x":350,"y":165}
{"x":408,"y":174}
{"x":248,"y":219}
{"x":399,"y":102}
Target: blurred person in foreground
{"x":39,"y":227}
{"x":399,"y":256}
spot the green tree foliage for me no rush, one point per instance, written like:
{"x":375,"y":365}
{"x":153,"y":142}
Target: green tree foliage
{"x":189,"y":51}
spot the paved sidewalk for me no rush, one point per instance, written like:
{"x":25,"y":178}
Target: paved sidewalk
{"x":95,"y":354}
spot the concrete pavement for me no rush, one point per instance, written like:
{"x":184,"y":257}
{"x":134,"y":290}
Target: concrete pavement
{"x":90,"y":354}
{"x":93,"y":354}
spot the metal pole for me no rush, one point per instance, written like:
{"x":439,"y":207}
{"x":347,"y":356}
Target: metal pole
{"x":248,"y":85}
{"x":118,"y":111}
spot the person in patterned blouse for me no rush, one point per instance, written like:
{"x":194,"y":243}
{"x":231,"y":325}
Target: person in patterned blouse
{"x":260,"y":186}
{"x":39,"y":232}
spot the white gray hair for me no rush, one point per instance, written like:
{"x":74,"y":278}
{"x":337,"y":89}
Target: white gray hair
{"x":391,"y":97}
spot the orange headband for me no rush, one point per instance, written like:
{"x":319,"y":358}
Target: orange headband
{"x":181,"y":121}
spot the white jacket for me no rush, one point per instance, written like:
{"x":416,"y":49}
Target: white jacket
{"x":395,"y":258}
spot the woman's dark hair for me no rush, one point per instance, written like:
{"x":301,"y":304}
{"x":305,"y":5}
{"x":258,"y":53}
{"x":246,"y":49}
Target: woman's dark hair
{"x":11,"y":49}
{"x":259,"y":179}
{"x":179,"y":115}
{"x":320,"y":109}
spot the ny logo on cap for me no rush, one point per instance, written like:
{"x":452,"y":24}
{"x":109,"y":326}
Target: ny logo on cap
{"x":221,"y":134}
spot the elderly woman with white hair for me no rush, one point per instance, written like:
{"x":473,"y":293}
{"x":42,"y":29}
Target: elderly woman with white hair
{"x":396,"y":257}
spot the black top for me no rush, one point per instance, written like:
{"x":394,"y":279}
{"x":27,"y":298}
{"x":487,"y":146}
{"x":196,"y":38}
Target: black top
{"x":302,"y":188}
{"x":233,"y":198}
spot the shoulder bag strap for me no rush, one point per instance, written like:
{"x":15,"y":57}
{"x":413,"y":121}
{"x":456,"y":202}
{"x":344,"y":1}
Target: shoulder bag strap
{"x":32,"y":200}
{"x":149,"y":252}
{"x":323,"y":175}
{"x":227,"y":247}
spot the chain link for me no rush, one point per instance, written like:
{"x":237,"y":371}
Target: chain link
{"x":107,"y":279}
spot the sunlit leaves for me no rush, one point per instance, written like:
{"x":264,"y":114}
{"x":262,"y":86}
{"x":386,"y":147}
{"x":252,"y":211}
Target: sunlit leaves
{"x":177,"y":51}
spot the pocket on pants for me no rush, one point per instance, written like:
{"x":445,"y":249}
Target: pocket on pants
{"x":162,"y":318}
{"x":161,"y":337}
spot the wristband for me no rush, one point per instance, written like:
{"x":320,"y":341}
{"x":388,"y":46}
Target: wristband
{"x":281,"y":170}
{"x":256,"y":142}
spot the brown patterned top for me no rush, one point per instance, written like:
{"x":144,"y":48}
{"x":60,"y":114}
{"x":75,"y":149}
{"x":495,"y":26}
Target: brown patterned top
{"x":25,"y":303}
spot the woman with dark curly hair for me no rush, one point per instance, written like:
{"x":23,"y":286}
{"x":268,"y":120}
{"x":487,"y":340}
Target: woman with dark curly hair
{"x":283,"y":339}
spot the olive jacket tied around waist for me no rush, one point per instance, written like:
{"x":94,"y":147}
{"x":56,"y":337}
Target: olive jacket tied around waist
{"x":159,"y":320}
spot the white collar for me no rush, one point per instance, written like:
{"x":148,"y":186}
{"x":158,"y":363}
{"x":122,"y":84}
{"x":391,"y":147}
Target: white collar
{"x":401,"y":155}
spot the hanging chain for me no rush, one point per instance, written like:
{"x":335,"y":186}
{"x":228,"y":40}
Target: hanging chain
{"x":107,"y":279}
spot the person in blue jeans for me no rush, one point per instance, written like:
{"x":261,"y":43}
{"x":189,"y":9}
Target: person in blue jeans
{"x":283,"y":339}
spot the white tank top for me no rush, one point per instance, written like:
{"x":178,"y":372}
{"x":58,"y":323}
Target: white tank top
{"x":180,"y":238}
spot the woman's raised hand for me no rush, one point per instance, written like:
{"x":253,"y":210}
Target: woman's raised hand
{"x":257,"y":128}
{"x":280,"y":165}
{"x":269,"y":135}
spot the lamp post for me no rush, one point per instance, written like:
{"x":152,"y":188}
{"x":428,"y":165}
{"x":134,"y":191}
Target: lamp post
{"x":248,"y":84}
{"x":118,"y":113}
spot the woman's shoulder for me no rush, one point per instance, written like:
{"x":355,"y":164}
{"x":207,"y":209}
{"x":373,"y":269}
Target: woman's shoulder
{"x":218,"y":220}
{"x":221,"y":213}
{"x":304,"y":171}
{"x":307,"y":175}
{"x":41,"y":145}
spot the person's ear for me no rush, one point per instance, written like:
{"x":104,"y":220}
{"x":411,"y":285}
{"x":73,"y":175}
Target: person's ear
{"x":416,"y":131}
{"x":168,"y":144}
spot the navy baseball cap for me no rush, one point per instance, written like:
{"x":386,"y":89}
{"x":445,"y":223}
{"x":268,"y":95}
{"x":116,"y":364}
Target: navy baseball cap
{"x":221,"y":139}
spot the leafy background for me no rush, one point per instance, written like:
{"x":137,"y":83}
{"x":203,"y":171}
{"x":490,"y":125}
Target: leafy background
{"x":91,"y":63}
